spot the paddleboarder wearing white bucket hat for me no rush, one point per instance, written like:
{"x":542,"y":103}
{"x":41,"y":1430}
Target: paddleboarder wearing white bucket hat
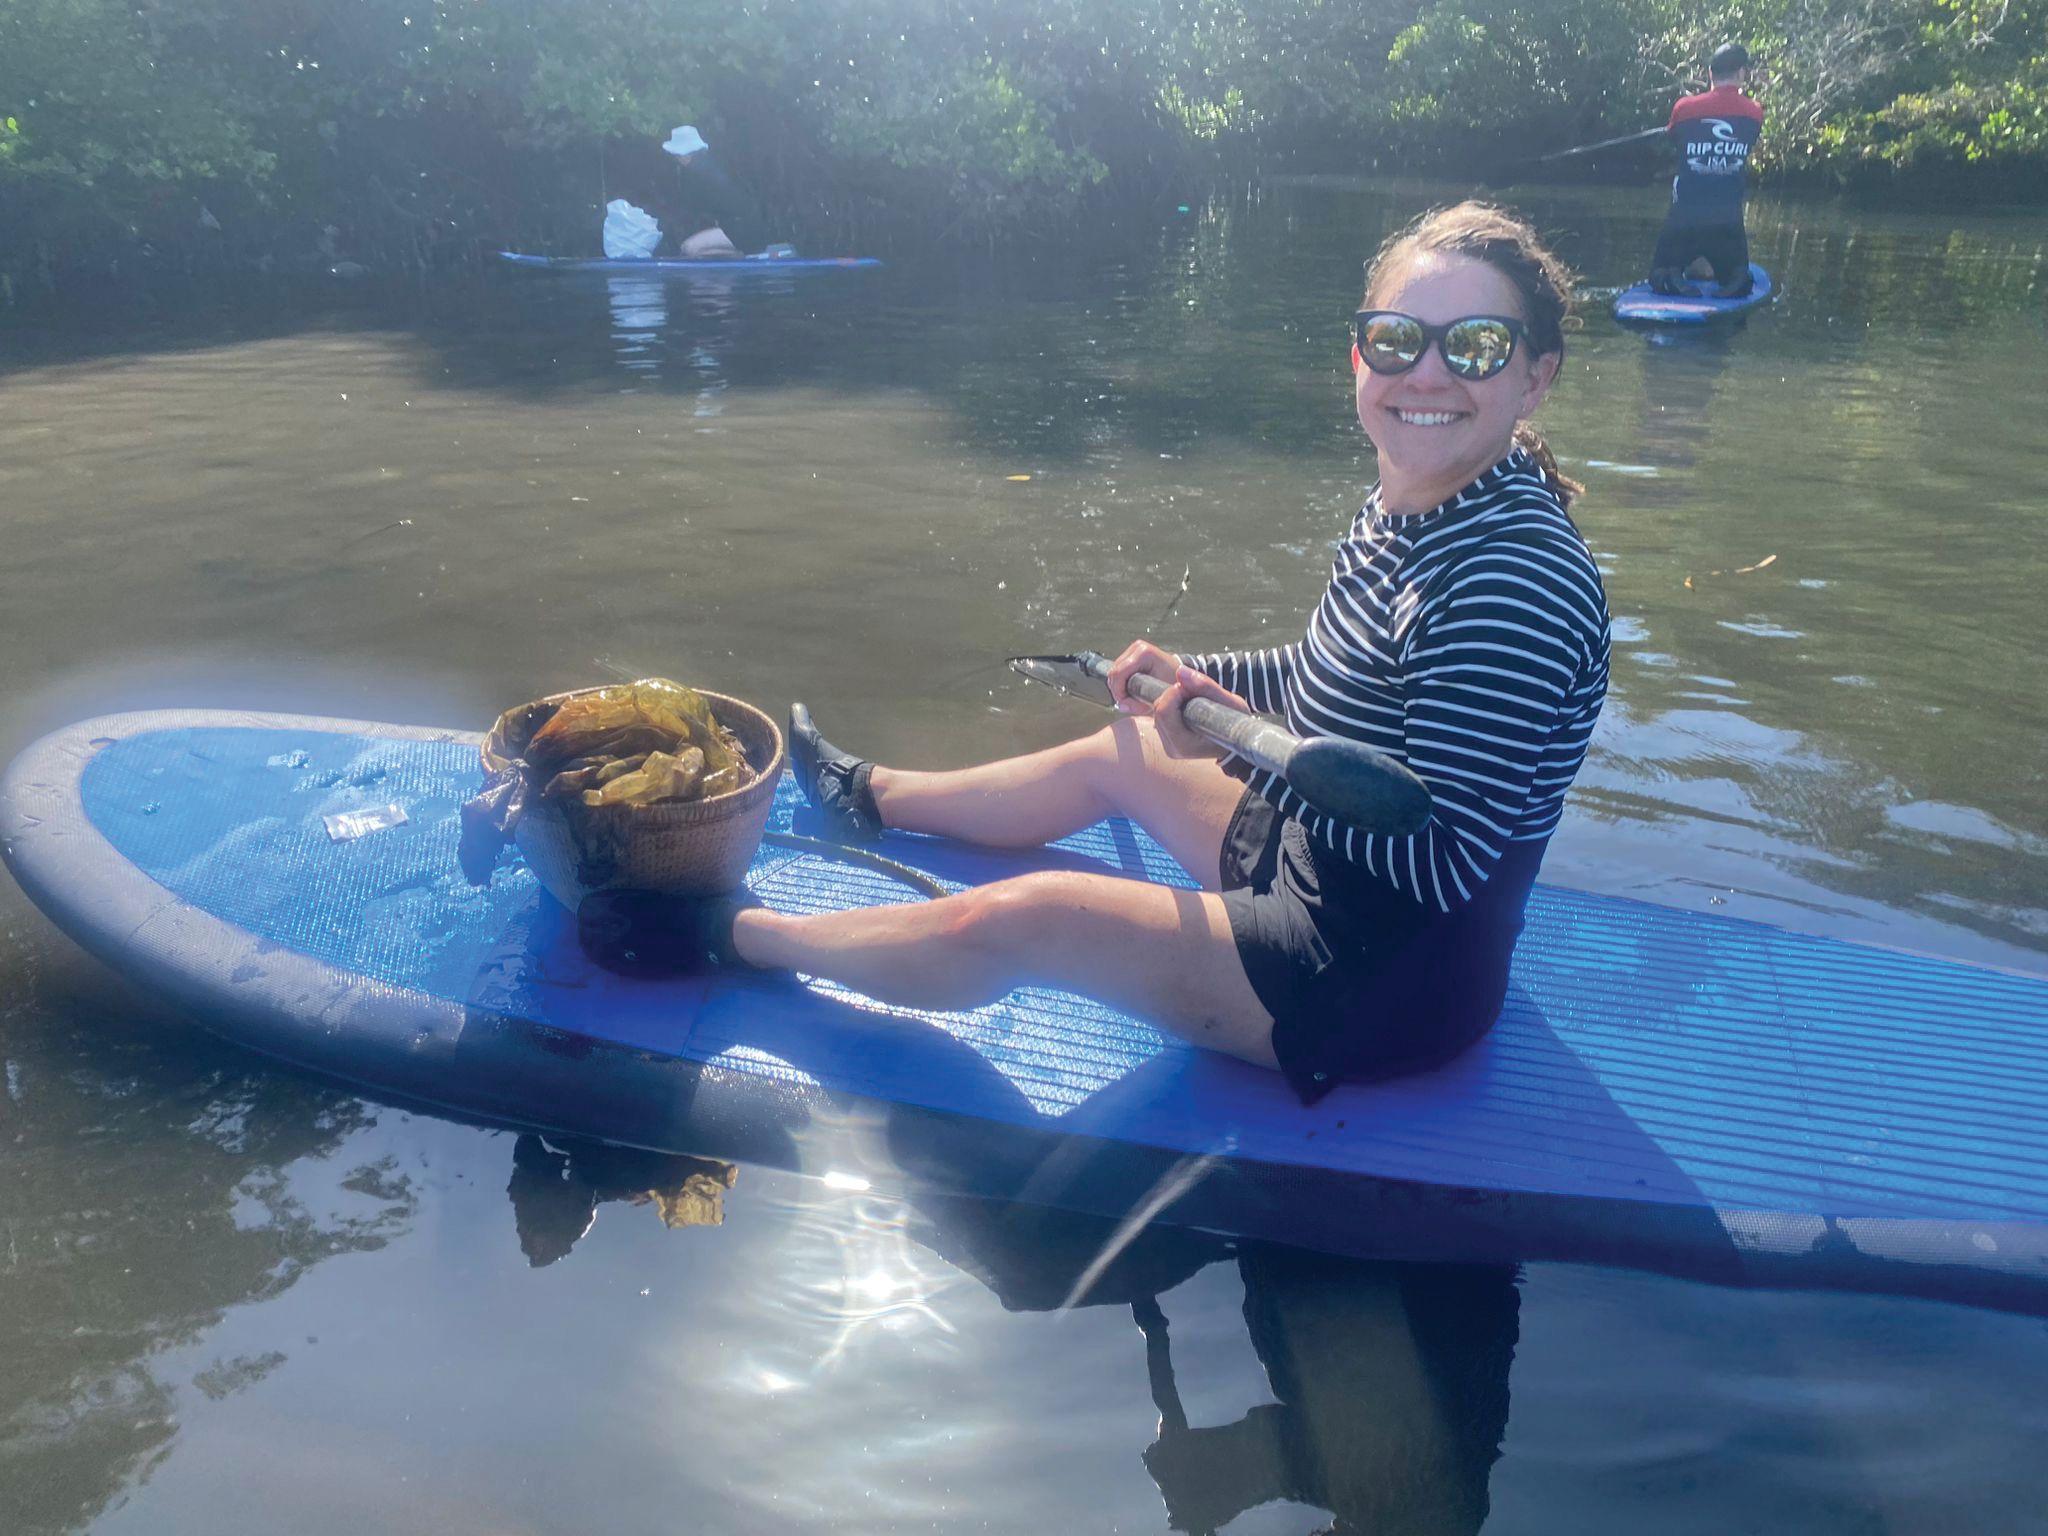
{"x":715,"y":210}
{"x":711,"y":218}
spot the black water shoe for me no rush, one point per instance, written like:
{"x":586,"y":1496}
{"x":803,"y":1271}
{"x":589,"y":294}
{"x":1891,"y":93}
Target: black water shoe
{"x":648,"y":934}
{"x":835,"y":782}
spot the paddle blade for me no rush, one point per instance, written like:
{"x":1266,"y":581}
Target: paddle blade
{"x":1363,"y":788}
{"x":1069,"y":674}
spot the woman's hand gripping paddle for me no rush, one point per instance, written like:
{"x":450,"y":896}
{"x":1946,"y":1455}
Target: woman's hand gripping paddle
{"x":1345,"y":779}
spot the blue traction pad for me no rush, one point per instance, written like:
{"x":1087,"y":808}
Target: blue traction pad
{"x":1645,"y":1053}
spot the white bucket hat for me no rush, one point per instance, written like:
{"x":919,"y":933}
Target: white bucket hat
{"x":685,"y":141}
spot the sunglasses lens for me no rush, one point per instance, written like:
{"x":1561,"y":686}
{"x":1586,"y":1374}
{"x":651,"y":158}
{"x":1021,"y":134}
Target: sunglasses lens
{"x":1389,"y":343}
{"x":1478,"y":349}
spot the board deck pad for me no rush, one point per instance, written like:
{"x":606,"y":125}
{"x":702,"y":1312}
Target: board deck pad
{"x":1662,"y":1083}
{"x":1640,"y":302}
{"x":688,"y":264}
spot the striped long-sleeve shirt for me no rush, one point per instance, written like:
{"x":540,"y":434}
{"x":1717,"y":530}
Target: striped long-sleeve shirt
{"x":1469,"y":642}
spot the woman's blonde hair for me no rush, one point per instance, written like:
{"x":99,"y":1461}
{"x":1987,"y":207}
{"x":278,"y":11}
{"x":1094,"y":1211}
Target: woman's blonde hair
{"x":1510,"y":245}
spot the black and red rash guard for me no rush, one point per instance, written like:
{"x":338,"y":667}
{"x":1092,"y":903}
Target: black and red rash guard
{"x":1713,"y":133}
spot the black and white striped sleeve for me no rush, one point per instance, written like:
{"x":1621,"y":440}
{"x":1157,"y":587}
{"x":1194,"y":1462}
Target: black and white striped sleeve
{"x":1489,"y":675}
{"x":1260,"y":678}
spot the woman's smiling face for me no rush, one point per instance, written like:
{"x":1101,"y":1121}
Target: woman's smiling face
{"x":1436,"y":432}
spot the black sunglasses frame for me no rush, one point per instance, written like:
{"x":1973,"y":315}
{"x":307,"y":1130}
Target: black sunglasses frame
{"x":1440,"y":334}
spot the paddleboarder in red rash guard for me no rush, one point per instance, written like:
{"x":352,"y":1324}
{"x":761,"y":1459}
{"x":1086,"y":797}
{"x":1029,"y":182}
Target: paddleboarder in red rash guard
{"x":1713,"y":133}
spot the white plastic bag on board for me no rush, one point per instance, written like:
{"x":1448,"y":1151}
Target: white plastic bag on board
{"x":628,"y":231}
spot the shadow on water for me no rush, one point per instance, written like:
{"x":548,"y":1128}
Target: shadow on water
{"x":1390,"y":1380}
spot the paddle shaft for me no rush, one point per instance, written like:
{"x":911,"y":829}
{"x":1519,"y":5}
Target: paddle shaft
{"x":1507,"y":169}
{"x":1587,"y":149}
{"x":1363,"y":788}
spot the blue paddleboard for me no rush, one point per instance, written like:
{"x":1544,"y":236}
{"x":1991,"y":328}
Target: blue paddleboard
{"x":1644,"y":305}
{"x":1666,"y":1089}
{"x":685,"y":265}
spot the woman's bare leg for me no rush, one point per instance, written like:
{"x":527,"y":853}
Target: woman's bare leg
{"x":1159,"y":953}
{"x":1022,"y":802}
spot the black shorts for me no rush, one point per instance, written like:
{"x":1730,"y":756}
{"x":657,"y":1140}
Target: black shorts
{"x":1725,"y":246}
{"x":1362,"y":982}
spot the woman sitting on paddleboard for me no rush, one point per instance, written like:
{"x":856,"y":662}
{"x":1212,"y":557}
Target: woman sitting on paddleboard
{"x":1464,"y":631}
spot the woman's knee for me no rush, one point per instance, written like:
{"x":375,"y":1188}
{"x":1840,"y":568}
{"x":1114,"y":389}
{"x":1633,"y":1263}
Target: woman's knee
{"x":1016,"y":915}
{"x":984,"y":941}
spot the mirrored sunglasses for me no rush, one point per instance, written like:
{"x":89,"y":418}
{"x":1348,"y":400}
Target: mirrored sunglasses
{"x":1475,"y":347}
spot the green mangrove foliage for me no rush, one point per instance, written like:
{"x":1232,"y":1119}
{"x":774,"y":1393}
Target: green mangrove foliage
{"x":229,"y":132}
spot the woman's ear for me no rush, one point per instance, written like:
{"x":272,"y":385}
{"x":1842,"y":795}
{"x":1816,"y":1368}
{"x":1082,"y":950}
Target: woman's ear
{"x":1357,"y":362}
{"x":1542,"y":374}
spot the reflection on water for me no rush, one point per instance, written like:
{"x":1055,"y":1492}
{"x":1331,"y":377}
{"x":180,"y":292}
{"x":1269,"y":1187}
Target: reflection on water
{"x":645,"y":338}
{"x":639,"y":317}
{"x":555,"y":1196}
{"x":154,"y":1181}
{"x":1682,"y":372}
{"x":1821,"y":534}
{"x":1390,"y":1381}
{"x":1392,"y":1396}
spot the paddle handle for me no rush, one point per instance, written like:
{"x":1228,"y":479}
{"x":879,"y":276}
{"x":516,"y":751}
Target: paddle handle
{"x":1258,"y":741}
{"x":1362,"y":788}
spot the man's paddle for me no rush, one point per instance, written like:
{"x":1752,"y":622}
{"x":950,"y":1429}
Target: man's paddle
{"x":1509,"y":170}
{"x":1345,"y":779}
{"x":1587,"y":149}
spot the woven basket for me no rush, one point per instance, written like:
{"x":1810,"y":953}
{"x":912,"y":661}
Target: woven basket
{"x":689,"y":848}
